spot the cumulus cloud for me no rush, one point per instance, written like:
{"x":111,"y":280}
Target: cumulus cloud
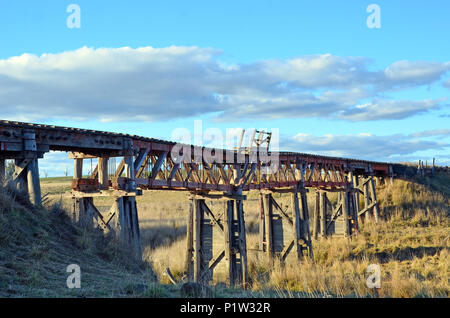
{"x":406,"y":73}
{"x":149,"y":84}
{"x":363,"y":146}
{"x":389,"y":109}
{"x":432,"y":133}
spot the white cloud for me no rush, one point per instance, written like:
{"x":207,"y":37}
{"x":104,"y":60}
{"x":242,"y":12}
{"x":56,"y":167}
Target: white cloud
{"x":323,"y":70}
{"x":363,"y":146}
{"x":389,"y":109}
{"x":415,"y":73}
{"x":149,"y":84}
{"x":432,"y":133}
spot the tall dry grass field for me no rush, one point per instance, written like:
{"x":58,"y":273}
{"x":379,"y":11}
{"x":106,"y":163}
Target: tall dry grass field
{"x":410,"y":243}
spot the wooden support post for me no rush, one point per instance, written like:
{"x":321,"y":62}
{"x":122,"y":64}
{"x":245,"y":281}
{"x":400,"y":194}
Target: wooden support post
{"x":296,"y":224}
{"x":127,"y":225}
{"x":30,"y":179}
{"x":268,"y":224}
{"x":353,"y":198}
{"x":204,"y":224}
{"x":261,"y":223}
{"x":78,"y":168}
{"x":356,"y":194}
{"x":127,"y":220}
{"x":391,"y":175}
{"x":242,"y":243}
{"x":197,"y":240}
{"x":323,"y":213}
{"x":316,"y":221}
{"x":121,"y":221}
{"x":21,"y":180}
{"x":135,"y":234}
{"x":189,"y":242}
{"x":346,"y":213}
{"x":366,"y":200}
{"x":76,"y":207}
{"x":276,"y":226}
{"x":228,"y":236}
{"x":304,"y":223}
{"x":78,"y":204}
{"x":34,"y":186}
{"x":2,"y":171}
{"x":129,"y":173}
{"x":84,"y":212}
{"x":103,"y":179}
{"x":376,"y":208}
{"x":355,"y":211}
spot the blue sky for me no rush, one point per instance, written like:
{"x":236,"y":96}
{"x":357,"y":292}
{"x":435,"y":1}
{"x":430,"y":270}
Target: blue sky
{"x":305,"y":67}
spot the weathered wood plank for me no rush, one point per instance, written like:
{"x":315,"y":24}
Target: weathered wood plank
{"x":197,"y":240}
{"x":323,"y":213}
{"x":228,"y":237}
{"x":189,"y":242}
{"x":242,"y":243}
{"x":103,"y":179}
{"x":316,"y":228}
{"x":268,"y":224}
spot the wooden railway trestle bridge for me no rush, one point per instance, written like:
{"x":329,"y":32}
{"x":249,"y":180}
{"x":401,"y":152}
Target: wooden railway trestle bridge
{"x":214,"y":238}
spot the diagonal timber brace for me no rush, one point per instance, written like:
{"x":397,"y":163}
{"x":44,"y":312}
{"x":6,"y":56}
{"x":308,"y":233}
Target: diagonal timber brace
{"x":216,"y":241}
{"x":338,"y":219}
{"x":121,"y":219}
{"x":289,"y":230}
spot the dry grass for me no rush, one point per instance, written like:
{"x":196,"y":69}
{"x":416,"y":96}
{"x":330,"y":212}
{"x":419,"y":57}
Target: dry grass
{"x":410,"y":244}
{"x":38,"y":244}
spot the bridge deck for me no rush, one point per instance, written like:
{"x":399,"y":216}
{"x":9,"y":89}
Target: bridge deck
{"x":155,"y":168}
